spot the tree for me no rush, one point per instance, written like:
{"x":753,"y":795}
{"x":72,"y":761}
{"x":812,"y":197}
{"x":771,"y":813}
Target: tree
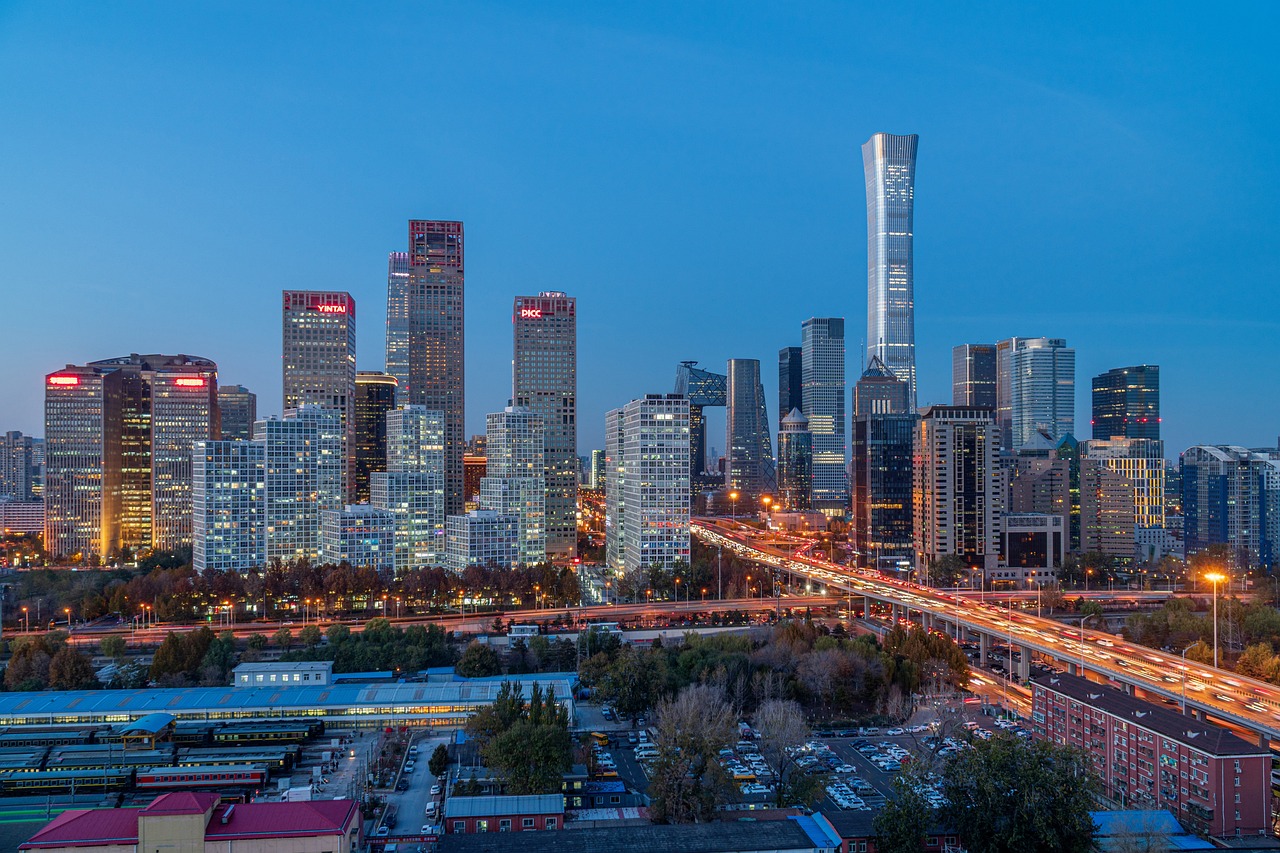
{"x":114,"y":647}
{"x":310,"y":636}
{"x":949,"y":570}
{"x":528,"y":744}
{"x":634,"y":681}
{"x":439,"y":761}
{"x":1006,"y":796}
{"x":688,"y":782}
{"x":781,"y":724}
{"x":71,"y":670}
{"x":479,"y":660}
{"x":257,"y":642}
{"x":282,"y":638}
{"x":902,"y":825}
{"x":1201,"y":652}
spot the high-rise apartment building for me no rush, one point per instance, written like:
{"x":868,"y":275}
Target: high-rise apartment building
{"x":882,"y":472}
{"x":120,"y":433}
{"x":959,"y":489}
{"x":1035,"y":389}
{"x":790,"y":381}
{"x":544,"y":379}
{"x":18,"y":468}
{"x":229,"y":505}
{"x":303,"y":476}
{"x":425,"y":335}
{"x":749,"y":466}
{"x":238,"y":407}
{"x":514,"y":481}
{"x":412,"y":486}
{"x":482,"y":537}
{"x":1126,"y":403}
{"x":1231,"y":496}
{"x":375,"y":397}
{"x":647,"y":483}
{"x":889,"y":163}
{"x":359,"y":535}
{"x":973,"y":375}
{"x":596,"y":478}
{"x":1121,"y":491}
{"x":822,"y":347}
{"x":795,"y":462}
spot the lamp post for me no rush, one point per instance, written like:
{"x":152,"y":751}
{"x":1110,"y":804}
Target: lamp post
{"x":733,"y":503}
{"x":26,"y":621}
{"x":766,"y":500}
{"x":1215,"y":578}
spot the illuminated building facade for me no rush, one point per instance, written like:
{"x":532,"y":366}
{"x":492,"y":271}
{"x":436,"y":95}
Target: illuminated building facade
{"x":228,"y":505}
{"x":375,"y":397}
{"x":790,"y":381}
{"x":398,"y":321}
{"x":514,"y":482}
{"x":319,"y":359}
{"x":359,"y":535}
{"x":1121,"y":490}
{"x":1231,"y":496}
{"x":482,"y":537}
{"x":303,"y":477}
{"x":882,"y":473}
{"x":1035,"y":389}
{"x":544,"y":379}
{"x":412,"y":487}
{"x":1126,"y":403}
{"x":889,"y":164}
{"x":19,"y":470}
{"x":238,"y":407}
{"x":795,"y":462}
{"x":822,"y":395}
{"x":120,"y":435}
{"x":647,"y":483}
{"x":973,"y":375}
{"x":749,"y":466}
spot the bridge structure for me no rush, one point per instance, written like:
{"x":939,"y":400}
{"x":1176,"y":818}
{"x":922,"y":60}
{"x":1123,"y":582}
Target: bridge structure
{"x":1245,"y":704}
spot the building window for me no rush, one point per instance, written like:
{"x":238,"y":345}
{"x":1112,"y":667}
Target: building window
{"x":551,"y":823}
{"x":482,"y":826}
{"x":504,"y":825}
{"x":459,"y":826}
{"x":615,"y":799}
{"x":527,"y":823}
{"x":1237,"y":781}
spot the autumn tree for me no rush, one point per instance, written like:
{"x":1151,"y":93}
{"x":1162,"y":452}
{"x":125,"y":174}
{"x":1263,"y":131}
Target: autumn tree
{"x":479,"y":660}
{"x":688,"y":782}
{"x":439,"y":761}
{"x":781,"y":724}
{"x":71,"y":670}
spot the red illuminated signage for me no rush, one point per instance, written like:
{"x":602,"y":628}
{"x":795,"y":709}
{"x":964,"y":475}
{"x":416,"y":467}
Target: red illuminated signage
{"x":189,"y":382}
{"x":64,"y":380}
{"x":530,"y":313}
{"x":332,"y":309}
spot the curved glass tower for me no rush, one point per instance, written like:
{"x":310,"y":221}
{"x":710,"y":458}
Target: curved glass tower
{"x":889,"y":162}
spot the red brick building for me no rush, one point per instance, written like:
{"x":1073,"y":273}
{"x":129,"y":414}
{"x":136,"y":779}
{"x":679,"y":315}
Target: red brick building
{"x":503,"y":813}
{"x":1150,"y":756}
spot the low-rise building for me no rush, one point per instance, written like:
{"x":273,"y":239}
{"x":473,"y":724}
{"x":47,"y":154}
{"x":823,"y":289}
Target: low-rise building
{"x":275,"y":673}
{"x":502,"y":813}
{"x":21,"y":516}
{"x":1150,"y":756}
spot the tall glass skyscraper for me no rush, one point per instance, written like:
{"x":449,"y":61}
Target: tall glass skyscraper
{"x":883,"y":432}
{"x":1126,"y":403}
{"x":238,"y":407}
{"x":749,"y":454}
{"x":822,"y":348}
{"x":790,"y":381}
{"x":973,"y":375}
{"x":889,"y":163}
{"x":375,"y":396}
{"x":795,"y":462}
{"x":1036,"y":379}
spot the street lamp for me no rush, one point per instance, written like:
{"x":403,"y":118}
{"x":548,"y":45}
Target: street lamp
{"x":733,"y":503}
{"x":704,"y":596}
{"x":766,"y":500}
{"x":67,"y":610}
{"x":26,"y":621}
{"x":1215,"y":578}
{"x":677,"y":590}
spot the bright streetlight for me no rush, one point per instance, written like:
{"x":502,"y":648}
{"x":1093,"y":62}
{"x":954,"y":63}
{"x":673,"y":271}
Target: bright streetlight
{"x":1215,"y":578}
{"x":733,"y":502}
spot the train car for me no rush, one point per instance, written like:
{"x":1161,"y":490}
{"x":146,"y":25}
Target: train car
{"x":26,"y":739}
{"x":281,"y":759}
{"x":201,"y":776}
{"x":284,"y":731}
{"x":59,"y":781}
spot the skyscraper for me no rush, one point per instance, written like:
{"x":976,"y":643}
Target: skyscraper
{"x":228,"y":505}
{"x":428,"y":323}
{"x":795,"y":462}
{"x":973,"y":375}
{"x":544,"y":379}
{"x":359,"y":535}
{"x":375,"y":397}
{"x":514,"y":481}
{"x":790,"y":381}
{"x":597,"y":469}
{"x":303,"y":473}
{"x":882,"y":475}
{"x":1121,"y":491}
{"x":238,"y":407}
{"x":412,"y":487}
{"x":18,"y":470}
{"x":320,"y":359}
{"x":1231,"y":496}
{"x":120,"y":436}
{"x":749,"y":453}
{"x":1036,"y":377}
{"x":822,"y":349}
{"x":1126,"y":403}
{"x":889,"y":163}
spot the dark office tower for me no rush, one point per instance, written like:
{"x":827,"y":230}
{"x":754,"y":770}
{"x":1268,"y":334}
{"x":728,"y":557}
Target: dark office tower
{"x":398,"y":321}
{"x":435,"y":352}
{"x":749,"y":465}
{"x":544,"y":380}
{"x":890,"y":165}
{"x":973,"y":375}
{"x":790,"y":381}
{"x":795,"y":462}
{"x":1126,"y":403}
{"x":822,"y":356}
{"x":319,"y":360}
{"x":883,"y":429}
{"x":239,"y":409}
{"x":375,"y":396}
{"x":17,"y":466}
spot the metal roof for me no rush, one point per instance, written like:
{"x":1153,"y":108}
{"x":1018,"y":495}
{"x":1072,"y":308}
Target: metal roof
{"x":490,"y":806}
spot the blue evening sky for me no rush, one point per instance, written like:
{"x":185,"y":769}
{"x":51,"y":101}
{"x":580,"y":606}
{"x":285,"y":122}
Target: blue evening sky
{"x":1107,"y":173}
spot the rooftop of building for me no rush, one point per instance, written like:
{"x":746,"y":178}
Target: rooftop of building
{"x":285,"y":666}
{"x":1197,"y":734}
{"x":499,"y":804}
{"x":718,"y":837}
{"x":148,"y":724}
{"x":1144,"y":829}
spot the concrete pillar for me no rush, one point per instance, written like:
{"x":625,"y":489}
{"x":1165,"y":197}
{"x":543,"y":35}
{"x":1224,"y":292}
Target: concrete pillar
{"x":983,"y":641}
{"x":926,"y":621}
{"x":1024,"y":665}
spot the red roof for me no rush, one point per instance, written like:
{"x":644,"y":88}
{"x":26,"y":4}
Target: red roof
{"x":88,"y":827}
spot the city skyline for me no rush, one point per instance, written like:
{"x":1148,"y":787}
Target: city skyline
{"x":1039,"y":198}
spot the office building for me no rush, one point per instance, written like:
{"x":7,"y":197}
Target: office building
{"x":790,"y":381}
{"x":238,"y":407}
{"x":426,"y":336}
{"x":973,"y":375}
{"x":1126,"y":403}
{"x":482,"y":537}
{"x":473,"y":471}
{"x":320,"y":359}
{"x":19,"y":470}
{"x":303,"y":477}
{"x":1032,"y":548}
{"x":513,"y":483}
{"x":228,"y":505}
{"x":1121,"y":490}
{"x":1231,"y":496}
{"x":596,"y":478}
{"x":647,"y":483}
{"x":1035,"y":389}
{"x":359,"y":535}
{"x":749,"y":466}
{"x":959,"y":488}
{"x":544,"y":379}
{"x":412,"y":487}
{"x":822,"y":356}
{"x":1040,"y":482}
{"x":889,"y":163}
{"x":120,"y":434}
{"x":375,"y":397}
{"x":1149,"y":756}
{"x":882,"y":472}
{"x":415,"y":440}
{"x":25,"y":517}
{"x":795,"y":463}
